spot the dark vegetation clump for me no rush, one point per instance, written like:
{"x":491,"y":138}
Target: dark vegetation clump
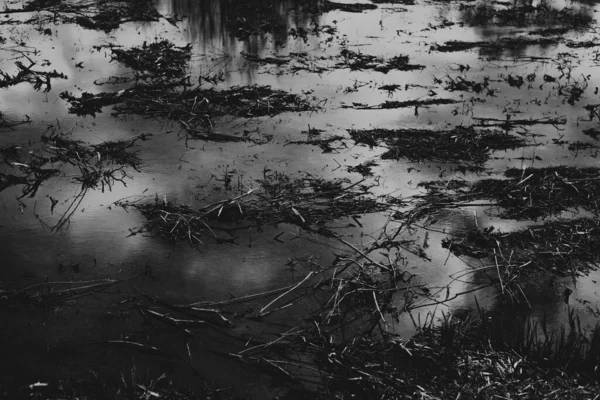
{"x":565,"y":247}
{"x":463,"y":359}
{"x":195,"y":109}
{"x":106,"y":15}
{"x":527,"y":16}
{"x":307,"y":202}
{"x":495,"y":46}
{"x":592,"y":132}
{"x":328,"y":144}
{"x":560,"y":31}
{"x":38,"y":79}
{"x":100,"y":165}
{"x":578,"y":146}
{"x":509,"y":123}
{"x":364,"y":168}
{"x":391,"y":104}
{"x":316,"y":137}
{"x":462,"y":84}
{"x":531,"y":193}
{"x":347,"y":7}
{"x":582,"y":44}
{"x":391,"y":88}
{"x":461,"y":144}
{"x":91,"y":167}
{"x":358,"y":61}
{"x":161,"y":60}
{"x":534,"y":193}
{"x":162,"y":89}
{"x":483,"y":356}
{"x":403,"y":2}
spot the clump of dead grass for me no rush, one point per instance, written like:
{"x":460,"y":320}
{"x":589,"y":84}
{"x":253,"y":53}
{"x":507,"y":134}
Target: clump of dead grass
{"x":106,"y":15}
{"x":533,"y":193}
{"x":359,"y":61}
{"x":307,"y":202}
{"x":160,"y":60}
{"x":461,"y":144}
{"x":37,"y":78}
{"x":91,"y":166}
{"x":196,"y":109}
{"x":162,"y":89}
{"x":565,"y":247}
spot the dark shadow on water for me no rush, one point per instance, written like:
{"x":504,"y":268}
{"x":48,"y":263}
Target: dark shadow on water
{"x":256,"y":22}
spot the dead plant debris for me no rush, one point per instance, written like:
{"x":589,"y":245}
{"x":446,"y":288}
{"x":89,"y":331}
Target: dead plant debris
{"x":564,"y":247}
{"x":359,"y":61}
{"x":509,"y":123}
{"x":534,"y":193}
{"x":92,"y":167}
{"x":307,"y":202}
{"x":364,"y":168}
{"x":162,"y":89}
{"x":195,"y":109}
{"x":495,"y":46}
{"x":105,"y":15}
{"x":530,"y":193}
{"x":391,"y":104}
{"x":345,"y":349}
{"x":403,"y":2}
{"x":100,"y":165}
{"x":159,"y":60}
{"x":465,"y":144}
{"x":38,"y":79}
{"x":347,"y":7}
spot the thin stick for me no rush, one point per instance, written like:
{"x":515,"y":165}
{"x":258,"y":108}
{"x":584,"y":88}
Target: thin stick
{"x":498,"y":269}
{"x":311,"y":273}
{"x":242,"y":299}
{"x":363,"y":254}
{"x":379,"y":310}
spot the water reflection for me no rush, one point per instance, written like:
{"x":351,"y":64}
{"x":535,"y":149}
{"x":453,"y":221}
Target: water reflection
{"x":266,"y":26}
{"x":539,"y":296}
{"x":538,"y":18}
{"x":527,"y":13}
{"x":229,"y":27}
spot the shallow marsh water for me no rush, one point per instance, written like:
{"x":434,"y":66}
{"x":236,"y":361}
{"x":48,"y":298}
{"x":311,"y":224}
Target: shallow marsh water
{"x":98,"y":241}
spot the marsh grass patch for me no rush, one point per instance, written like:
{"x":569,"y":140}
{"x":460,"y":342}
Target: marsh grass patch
{"x":106,"y":15}
{"x":360,"y":61}
{"x":308,"y":202}
{"x":347,"y":7}
{"x":538,"y":192}
{"x":525,"y":194}
{"x":497,"y":46}
{"x":159,"y":60}
{"x":90,"y":166}
{"x":460,"y":144}
{"x":162,"y":89}
{"x":26,"y":73}
{"x":563,"y":247}
{"x":196,"y":109}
